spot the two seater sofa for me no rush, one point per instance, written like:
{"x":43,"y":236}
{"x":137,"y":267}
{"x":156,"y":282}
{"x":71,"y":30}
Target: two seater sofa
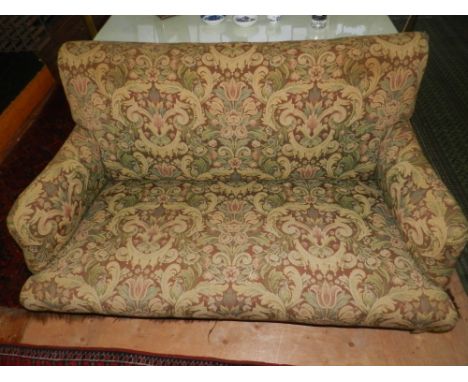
{"x":247,"y":181}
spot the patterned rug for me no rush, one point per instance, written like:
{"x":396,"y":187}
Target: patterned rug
{"x":29,"y":355}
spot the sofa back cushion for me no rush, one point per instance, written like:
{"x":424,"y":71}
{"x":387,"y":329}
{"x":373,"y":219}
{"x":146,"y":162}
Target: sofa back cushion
{"x":298,"y":109}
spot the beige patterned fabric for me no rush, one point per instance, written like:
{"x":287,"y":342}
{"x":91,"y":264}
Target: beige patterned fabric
{"x":430,"y":220}
{"x":47,"y":213}
{"x":272,"y":181}
{"x":301,"y":110}
{"x":308,"y":251}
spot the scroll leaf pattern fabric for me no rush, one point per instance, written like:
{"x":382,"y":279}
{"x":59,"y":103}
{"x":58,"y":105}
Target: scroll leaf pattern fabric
{"x":299,"y":110}
{"x":312,"y":251}
{"x":46,"y":214}
{"x":274,"y":181}
{"x":430,"y":219}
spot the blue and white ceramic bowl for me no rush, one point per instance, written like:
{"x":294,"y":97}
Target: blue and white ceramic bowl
{"x":212,"y":20}
{"x":245,"y":21}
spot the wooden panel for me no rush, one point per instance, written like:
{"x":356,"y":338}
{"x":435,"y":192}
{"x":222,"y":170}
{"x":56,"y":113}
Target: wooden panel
{"x":12,"y":324}
{"x":264,"y":342}
{"x":13,"y":120}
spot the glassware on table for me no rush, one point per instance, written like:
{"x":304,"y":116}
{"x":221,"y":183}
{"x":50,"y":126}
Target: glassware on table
{"x":212,"y":19}
{"x":245,"y":21}
{"x":273,"y":18}
{"x":319,"y":21}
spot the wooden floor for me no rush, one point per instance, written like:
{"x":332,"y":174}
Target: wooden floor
{"x":264,"y":342}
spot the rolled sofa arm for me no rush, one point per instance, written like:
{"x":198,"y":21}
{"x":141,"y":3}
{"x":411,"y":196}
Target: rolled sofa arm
{"x":430,"y":219}
{"x":47,"y":212}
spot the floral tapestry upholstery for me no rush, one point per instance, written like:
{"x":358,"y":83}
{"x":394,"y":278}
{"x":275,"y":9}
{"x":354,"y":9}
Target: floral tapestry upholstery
{"x":302,"y":109}
{"x":431,"y":221}
{"x":46,"y":214}
{"x":307,"y":251}
{"x":247,"y":181}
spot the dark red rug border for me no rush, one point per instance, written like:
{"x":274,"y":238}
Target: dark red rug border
{"x":162,"y":356}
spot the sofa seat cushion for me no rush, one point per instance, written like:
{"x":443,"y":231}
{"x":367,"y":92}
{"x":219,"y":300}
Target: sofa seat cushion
{"x":318,"y":252}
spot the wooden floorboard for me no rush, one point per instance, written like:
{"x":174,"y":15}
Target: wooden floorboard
{"x":253,"y":341}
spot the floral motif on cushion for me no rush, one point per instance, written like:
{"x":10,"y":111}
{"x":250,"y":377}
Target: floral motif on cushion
{"x":46,"y":214}
{"x":430,"y":219}
{"x":313,"y":252}
{"x":297,"y":109}
{"x":270,"y":181}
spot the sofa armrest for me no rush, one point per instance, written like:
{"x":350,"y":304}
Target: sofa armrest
{"x":47,"y":212}
{"x":428,"y":216}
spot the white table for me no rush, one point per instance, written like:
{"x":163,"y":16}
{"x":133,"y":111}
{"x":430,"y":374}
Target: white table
{"x":193,"y":29}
